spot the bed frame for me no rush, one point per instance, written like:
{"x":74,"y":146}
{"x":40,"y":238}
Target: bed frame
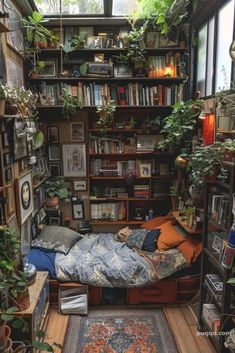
{"x":166,"y":291}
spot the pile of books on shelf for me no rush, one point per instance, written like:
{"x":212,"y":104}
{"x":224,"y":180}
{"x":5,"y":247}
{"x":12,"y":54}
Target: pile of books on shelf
{"x":218,"y":208}
{"x":105,"y":145}
{"x":141,"y":191}
{"x":214,"y":283}
{"x":211,"y":316}
{"x":146,"y":143}
{"x":107,"y":211}
{"x":108,"y":192}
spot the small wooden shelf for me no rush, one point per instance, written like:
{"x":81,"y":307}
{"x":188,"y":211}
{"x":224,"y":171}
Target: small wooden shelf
{"x":136,"y":154}
{"x":102,"y":177}
{"x":93,"y":107}
{"x":184,"y":225}
{"x":123,"y":222}
{"x":149,"y":51}
{"x":114,"y":199}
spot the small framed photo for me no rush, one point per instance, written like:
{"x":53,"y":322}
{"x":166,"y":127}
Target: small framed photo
{"x":77,"y":132}
{"x":74,"y":160}
{"x":42,"y":214}
{"x":217,"y":244}
{"x":99,"y":57}
{"x":24,"y":196}
{"x":78,"y":210}
{"x":94,"y":42}
{"x":49,"y":69}
{"x":10,"y":200}
{"x":145,"y":170}
{"x":152,"y":39}
{"x":54,"y":153}
{"x":53,"y":134}
{"x":34,"y":228}
{"x":74,"y":197}
{"x":122,"y":70}
{"x":8,"y":175}
{"x":7,"y":159}
{"x":54,"y":221}
{"x":54,"y":169}
{"x":80,"y":185}
{"x":5,"y":140}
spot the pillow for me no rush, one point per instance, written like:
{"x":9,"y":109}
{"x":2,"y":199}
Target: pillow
{"x":43,"y":261}
{"x":190,"y":249}
{"x":55,"y":238}
{"x":136,"y":239}
{"x":155,"y":222}
{"x":169,"y":237}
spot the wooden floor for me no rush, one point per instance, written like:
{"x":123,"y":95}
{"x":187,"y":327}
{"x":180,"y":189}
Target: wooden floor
{"x":180,"y":318}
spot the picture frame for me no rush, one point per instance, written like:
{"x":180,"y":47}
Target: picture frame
{"x":95,"y":42}
{"x":42,"y":214}
{"x":145,"y":170}
{"x":78,"y":210}
{"x":53,"y":134}
{"x":55,"y":169}
{"x":10,"y":201}
{"x":8,"y":175}
{"x":7,"y":159}
{"x":74,"y":160}
{"x":5,"y":139}
{"x":34,"y":228}
{"x":95,"y":69}
{"x":122,"y":70}
{"x":152,"y":39}
{"x":80,"y":185}
{"x":99,"y":57}
{"x":20,"y":147}
{"x":217,"y":244}
{"x":54,"y":221}
{"x":15,"y":75}
{"x":169,"y":40}
{"x":24,"y":193}
{"x":77,"y":132}
{"x":14,"y":36}
{"x":53,"y":152}
{"x":49,"y":70}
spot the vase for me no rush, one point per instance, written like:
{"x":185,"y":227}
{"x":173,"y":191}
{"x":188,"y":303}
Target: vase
{"x":2,"y":107}
{"x":11,"y":109}
{"x":22,"y":301}
{"x":5,"y":333}
{"x":52,"y":201}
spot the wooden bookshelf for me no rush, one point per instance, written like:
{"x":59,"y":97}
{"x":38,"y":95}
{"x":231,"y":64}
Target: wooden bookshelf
{"x":183,"y":223}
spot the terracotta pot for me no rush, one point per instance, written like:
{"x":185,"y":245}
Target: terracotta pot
{"x":7,"y":346}
{"x":52,"y":201}
{"x":42,"y":44}
{"x":2,"y":107}
{"x":5,"y":333}
{"x":22,"y":301}
{"x":52,"y":45}
{"x":11,"y":109}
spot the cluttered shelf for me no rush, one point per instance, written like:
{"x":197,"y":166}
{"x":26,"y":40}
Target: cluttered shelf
{"x":183,"y":223}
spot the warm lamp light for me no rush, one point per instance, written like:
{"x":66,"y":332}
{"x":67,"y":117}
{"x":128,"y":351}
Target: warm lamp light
{"x":168,"y":71}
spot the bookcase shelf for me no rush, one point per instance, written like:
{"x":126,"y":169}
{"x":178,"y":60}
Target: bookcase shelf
{"x":165,"y":80}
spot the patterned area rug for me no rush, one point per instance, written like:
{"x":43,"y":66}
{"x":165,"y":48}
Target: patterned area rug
{"x":120,"y":331}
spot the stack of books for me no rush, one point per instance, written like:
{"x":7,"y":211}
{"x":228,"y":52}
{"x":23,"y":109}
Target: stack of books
{"x":211,"y":316}
{"x":214,"y":283}
{"x":141,"y":191}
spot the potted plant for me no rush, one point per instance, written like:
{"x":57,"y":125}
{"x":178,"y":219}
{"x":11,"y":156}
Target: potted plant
{"x":55,"y":189}
{"x":204,"y":163}
{"x":26,"y":101}
{"x":53,"y":40}
{"x":70,"y":104}
{"x":179,"y":126}
{"x":11,"y":104}
{"x":106,"y":113}
{"x":3,"y":97}
{"x":229,"y":150}
{"x":174,"y":194}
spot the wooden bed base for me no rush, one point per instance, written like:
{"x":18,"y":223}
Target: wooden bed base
{"x":166,"y":291}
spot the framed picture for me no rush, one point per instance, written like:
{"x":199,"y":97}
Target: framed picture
{"x":7,"y":159}
{"x":53,"y":134}
{"x":94,"y":42}
{"x":54,"y":169}
{"x":24,"y":196}
{"x":217,"y":244}
{"x":15,"y":75}
{"x":54,"y":153}
{"x":5,"y":140}
{"x":78,"y":210}
{"x":8,"y":175}
{"x":10,"y":200}
{"x":42,"y":214}
{"x":15,"y":36}
{"x":169,"y":40}
{"x":152,"y":39}
{"x":74,"y":160}
{"x":145,"y":170}
{"x":99,"y":57}
{"x":95,"y":69}
{"x":54,"y":221}
{"x":34,"y":228}
{"x":77,"y":132}
{"x":122,"y":70}
{"x":80,"y":185}
{"x":20,"y":147}
{"x":49,"y":70}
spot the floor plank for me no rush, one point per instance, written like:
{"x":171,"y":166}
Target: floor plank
{"x":56,"y":328}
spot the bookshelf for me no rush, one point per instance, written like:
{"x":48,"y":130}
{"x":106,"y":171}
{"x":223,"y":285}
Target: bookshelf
{"x":126,"y":176}
{"x":216,"y":295}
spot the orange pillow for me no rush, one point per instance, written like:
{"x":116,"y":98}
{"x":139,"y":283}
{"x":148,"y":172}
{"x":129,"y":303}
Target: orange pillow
{"x":169,"y":237}
{"x":190,"y":249}
{"x":155,"y":222}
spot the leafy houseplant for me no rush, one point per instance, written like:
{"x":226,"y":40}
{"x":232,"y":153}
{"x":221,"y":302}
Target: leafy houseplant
{"x":55,"y":189}
{"x":106,"y":113}
{"x":179,"y":126}
{"x":70,"y":103}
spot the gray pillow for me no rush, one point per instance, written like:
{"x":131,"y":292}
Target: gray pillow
{"x":55,"y":238}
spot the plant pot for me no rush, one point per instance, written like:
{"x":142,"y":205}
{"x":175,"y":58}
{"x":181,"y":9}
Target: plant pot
{"x":42,"y":44}
{"x":5,"y":333}
{"x":33,"y":74}
{"x":11,"y":109}
{"x":52,"y":45}
{"x":22,"y":300}
{"x":52,"y":201}
{"x":7,"y":346}
{"x":229,"y":155}
{"x":2,"y":107}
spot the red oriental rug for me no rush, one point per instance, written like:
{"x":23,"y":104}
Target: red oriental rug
{"x":120,"y":331}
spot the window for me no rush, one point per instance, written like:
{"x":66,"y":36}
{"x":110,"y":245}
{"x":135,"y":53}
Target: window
{"x":210,"y":57}
{"x":225,"y":36}
{"x":201,"y":62}
{"x":71,"y":7}
{"x":123,"y":8}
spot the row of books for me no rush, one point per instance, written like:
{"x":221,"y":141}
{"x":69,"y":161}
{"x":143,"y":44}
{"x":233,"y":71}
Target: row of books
{"x":211,"y":316}
{"x":101,"y":191}
{"x":164,"y":65}
{"x":108,"y":211}
{"x":218,"y":208}
{"x":214,"y":283}
{"x":90,"y":94}
{"x":141,"y":191}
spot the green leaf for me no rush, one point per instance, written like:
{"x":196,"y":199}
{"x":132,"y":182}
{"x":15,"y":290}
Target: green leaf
{"x":11,"y":310}
{"x":43,"y":346}
{"x":18,"y":323}
{"x":37,"y":17}
{"x":40,"y":334}
{"x":6,"y":317}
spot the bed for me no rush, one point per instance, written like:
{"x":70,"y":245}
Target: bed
{"x":99,"y":260}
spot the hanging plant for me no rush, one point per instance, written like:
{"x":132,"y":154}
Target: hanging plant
{"x":106,"y":113}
